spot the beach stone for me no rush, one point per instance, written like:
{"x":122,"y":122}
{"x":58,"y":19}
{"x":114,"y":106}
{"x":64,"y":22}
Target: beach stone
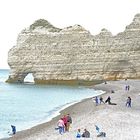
{"x":73,"y":54}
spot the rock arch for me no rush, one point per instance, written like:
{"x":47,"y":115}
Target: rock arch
{"x":19,"y":77}
{"x":29,"y":78}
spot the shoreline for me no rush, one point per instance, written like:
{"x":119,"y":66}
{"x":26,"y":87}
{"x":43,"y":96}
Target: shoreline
{"x":46,"y":123}
{"x":82,"y":110}
{"x":57,"y":112}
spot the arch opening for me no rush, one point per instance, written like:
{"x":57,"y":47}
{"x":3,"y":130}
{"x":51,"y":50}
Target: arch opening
{"x":29,"y":78}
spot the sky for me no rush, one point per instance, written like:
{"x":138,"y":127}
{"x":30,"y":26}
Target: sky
{"x":93,"y":15}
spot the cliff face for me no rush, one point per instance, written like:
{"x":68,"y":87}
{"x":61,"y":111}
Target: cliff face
{"x":70,"y":54}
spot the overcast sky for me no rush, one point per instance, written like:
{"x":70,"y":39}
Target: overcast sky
{"x":93,"y":15}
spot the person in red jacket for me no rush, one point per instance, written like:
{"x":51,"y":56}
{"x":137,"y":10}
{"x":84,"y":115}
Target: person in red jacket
{"x":65,"y":121}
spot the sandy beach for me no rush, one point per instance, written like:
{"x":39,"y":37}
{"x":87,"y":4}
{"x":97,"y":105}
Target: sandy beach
{"x":118,"y":121}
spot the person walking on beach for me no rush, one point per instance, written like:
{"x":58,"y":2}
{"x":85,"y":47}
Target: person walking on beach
{"x":61,"y":126}
{"x":128,"y":102}
{"x":69,"y":121}
{"x":108,"y":100}
{"x":101,"y":100}
{"x":128,"y":87}
{"x":65,"y":122}
{"x":96,"y":100}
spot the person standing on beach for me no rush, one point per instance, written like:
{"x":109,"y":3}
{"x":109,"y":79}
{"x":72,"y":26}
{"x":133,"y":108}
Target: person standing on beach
{"x":13,"y":129}
{"x":108,"y":100}
{"x":101,"y":100}
{"x":61,"y":126}
{"x":128,"y":87}
{"x":96,"y":100}
{"x":69,"y":121}
{"x":65,"y":122}
{"x":97,"y":129}
{"x":128,"y":102}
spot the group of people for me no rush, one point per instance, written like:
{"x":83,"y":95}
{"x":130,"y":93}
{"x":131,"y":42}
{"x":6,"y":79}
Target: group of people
{"x":64,"y":123}
{"x":108,"y":100}
{"x":128,"y":101}
{"x":99,"y":100}
{"x":127,"y":87}
{"x":85,"y":134}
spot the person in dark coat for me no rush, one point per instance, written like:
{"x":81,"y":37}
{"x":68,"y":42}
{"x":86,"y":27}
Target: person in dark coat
{"x":101,"y":100}
{"x":13,"y":129}
{"x":86,"y":134}
{"x":108,"y":100}
{"x":128,"y":102}
{"x":69,"y":121}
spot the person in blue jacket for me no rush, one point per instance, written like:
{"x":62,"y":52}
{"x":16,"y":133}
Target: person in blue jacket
{"x":78,"y":135}
{"x":97,"y":129}
{"x":13,"y":129}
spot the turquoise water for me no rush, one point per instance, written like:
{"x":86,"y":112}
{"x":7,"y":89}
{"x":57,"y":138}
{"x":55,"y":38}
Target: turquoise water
{"x":26,"y":105}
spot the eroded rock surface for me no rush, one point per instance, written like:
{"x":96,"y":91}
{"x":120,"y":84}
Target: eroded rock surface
{"x":56,"y":55}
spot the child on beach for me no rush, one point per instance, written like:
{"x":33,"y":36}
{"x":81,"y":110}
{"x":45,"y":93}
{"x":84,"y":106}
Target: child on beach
{"x":78,"y":135}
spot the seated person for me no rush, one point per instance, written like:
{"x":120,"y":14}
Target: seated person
{"x":86,"y":134}
{"x":78,"y":135}
{"x":101,"y":134}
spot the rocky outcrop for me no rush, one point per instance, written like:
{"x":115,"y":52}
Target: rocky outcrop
{"x":72,"y":54}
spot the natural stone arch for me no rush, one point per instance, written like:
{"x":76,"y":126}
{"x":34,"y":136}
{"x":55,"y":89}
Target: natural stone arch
{"x":19,"y":77}
{"x":29,"y":78}
{"x":51,"y":54}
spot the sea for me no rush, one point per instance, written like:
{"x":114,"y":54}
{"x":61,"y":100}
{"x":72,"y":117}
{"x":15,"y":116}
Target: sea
{"x":27,"y":105}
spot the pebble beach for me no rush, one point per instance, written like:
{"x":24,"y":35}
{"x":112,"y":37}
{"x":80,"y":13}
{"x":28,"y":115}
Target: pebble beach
{"x":117,"y":121}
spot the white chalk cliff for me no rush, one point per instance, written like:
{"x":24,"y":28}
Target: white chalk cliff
{"x":56,"y":55}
